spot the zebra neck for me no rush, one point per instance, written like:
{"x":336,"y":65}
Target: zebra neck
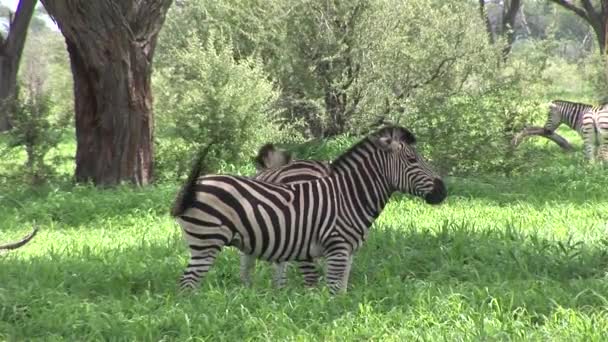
{"x":572,"y":114}
{"x":363,"y":192}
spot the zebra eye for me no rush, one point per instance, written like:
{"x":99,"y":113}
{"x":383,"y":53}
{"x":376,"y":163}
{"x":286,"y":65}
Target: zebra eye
{"x":411,"y":159}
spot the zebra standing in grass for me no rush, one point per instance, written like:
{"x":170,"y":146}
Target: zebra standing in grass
{"x":275,"y":166}
{"x":328,"y":217}
{"x":591,"y":122}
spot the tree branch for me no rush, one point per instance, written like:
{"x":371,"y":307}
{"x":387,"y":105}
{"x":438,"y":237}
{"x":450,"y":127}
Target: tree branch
{"x":556,"y":138}
{"x":572,"y":7}
{"x":18,"y":25}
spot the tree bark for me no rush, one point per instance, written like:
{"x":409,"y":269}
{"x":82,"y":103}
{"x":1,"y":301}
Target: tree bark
{"x":11,"y":49}
{"x":111,"y":44}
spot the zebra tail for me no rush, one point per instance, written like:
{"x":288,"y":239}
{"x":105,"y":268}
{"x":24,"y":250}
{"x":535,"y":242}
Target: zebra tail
{"x":186,"y":195}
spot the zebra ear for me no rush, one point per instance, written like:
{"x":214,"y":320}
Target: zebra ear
{"x":388,"y":144}
{"x":407,"y":136}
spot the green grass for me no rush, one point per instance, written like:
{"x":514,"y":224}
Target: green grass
{"x":520,"y":258}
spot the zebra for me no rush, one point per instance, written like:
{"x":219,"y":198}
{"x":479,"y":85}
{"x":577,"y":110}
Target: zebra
{"x":591,"y":123}
{"x":20,"y":243}
{"x":275,"y":166}
{"x":327,"y":217}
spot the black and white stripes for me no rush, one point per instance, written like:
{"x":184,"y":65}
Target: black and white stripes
{"x":328,"y":216}
{"x":591,"y":122}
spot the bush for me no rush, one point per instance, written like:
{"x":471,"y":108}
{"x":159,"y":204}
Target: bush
{"x":206,"y":96}
{"x":36,"y":131}
{"x":479,"y":139}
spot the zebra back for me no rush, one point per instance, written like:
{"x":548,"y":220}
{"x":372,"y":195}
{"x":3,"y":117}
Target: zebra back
{"x":570,"y":113}
{"x":275,"y":166}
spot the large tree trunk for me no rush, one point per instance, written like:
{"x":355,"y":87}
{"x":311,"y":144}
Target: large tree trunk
{"x":11,"y":49}
{"x":111,"y":45}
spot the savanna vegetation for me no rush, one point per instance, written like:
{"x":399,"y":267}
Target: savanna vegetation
{"x":518,"y":251}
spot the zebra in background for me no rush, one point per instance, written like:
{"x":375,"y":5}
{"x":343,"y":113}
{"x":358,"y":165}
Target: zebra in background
{"x":591,"y":123}
{"x":275,"y":166}
{"x":328,"y":217}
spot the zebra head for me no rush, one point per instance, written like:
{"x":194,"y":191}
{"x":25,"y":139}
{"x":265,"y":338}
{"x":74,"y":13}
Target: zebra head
{"x":269,"y":157}
{"x":405,"y":168}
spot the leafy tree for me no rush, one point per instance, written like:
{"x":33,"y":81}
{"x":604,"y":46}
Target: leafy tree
{"x":596,"y":15}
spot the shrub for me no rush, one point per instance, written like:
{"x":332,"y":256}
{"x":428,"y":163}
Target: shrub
{"x":35,"y":130}
{"x":205,"y":96}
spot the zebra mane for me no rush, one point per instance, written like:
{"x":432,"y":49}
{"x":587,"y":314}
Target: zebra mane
{"x":395,"y":132}
{"x":571,"y":103}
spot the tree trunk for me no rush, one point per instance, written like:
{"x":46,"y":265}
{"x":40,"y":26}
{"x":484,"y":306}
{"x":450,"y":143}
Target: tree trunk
{"x":335,"y":104}
{"x":8,"y":80}
{"x":508,"y":25}
{"x":111,"y":45}
{"x":11,"y":49}
{"x":486,"y":19}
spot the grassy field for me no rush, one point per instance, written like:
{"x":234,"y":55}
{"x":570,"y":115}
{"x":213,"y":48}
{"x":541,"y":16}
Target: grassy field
{"x":521,"y":258}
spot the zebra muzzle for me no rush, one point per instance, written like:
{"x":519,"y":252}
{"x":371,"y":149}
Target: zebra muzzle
{"x":438,"y":194}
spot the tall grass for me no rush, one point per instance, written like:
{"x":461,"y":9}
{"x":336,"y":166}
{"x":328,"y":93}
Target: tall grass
{"x":522,"y":258}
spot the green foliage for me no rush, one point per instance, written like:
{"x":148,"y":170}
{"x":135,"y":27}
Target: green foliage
{"x":35,"y":131}
{"x":206,"y":96}
{"x":519,"y":258}
{"x":421,"y":51}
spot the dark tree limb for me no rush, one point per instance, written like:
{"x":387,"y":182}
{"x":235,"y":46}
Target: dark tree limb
{"x":17,"y":244}
{"x":540,"y":131}
{"x":11,"y":48}
{"x":569,"y":5}
{"x":596,"y":18}
{"x":508,"y":25}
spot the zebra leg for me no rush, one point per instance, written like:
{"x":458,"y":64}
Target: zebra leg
{"x":280,"y":274}
{"x":603,"y":140}
{"x":247,"y":268}
{"x":205,"y":243}
{"x":338,"y":270}
{"x":589,"y":137}
{"x":308,"y":269}
{"x":198,"y":266}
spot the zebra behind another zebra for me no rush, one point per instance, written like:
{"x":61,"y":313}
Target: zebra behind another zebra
{"x":328,"y":217}
{"x":275,"y":166}
{"x":591,"y":122}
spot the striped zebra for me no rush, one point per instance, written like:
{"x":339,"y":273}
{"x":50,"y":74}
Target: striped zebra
{"x":327,"y":217}
{"x":591,"y":123}
{"x":275,"y":166}
{"x":22,"y":242}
